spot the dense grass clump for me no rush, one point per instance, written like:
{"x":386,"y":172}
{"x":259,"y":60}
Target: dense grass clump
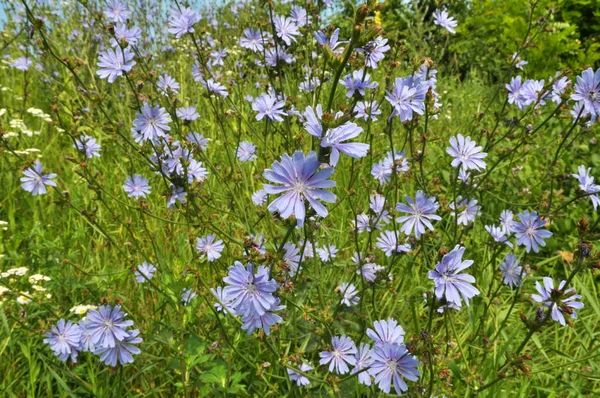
{"x":298,"y":199}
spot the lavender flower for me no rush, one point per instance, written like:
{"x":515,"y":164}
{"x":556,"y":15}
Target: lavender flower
{"x":167,"y":84}
{"x":392,"y":362}
{"x":152,"y":122}
{"x":276,"y":56}
{"x":369,"y":271}
{"x":106,"y":326}
{"x":198,"y":140}
{"x":136,"y":186}
{"x":35,"y":182}
{"x":113,"y":63}
{"x":122,"y":352}
{"x":218,"y":57}
{"x":249,"y":292}
{"x":512,"y":272}
{"x":252,"y":321}
{"x":210,"y":247}
{"x":586,"y":184}
{"x":223,"y":304}
{"x":117,"y":11}
{"x":515,"y":93}
{"x":374,"y":51}
{"x":246,"y":152}
{"x":332,"y":42}
{"x":21,"y":63}
{"x":367,"y":110}
{"x":558,"y":89}
{"x":386,"y":332}
{"x":363,"y":361}
{"x":270,"y":107}
{"x":448,"y":282}
{"x":177,"y":194}
{"x":529,"y":231}
{"x":215,"y":87}
{"x":183,"y":21}
{"x":384,"y":169}
{"x":144,"y":272}
{"x":559,"y":301}
{"x":498,"y":234}
{"x":466,"y":153}
{"x":297,"y":377}
{"x":388,"y":243}
{"x":349,"y":293}
{"x":441,"y":18}
{"x":64,"y":339}
{"x":299,"y":16}
{"x":125,"y":36}
{"x":506,"y":222}
{"x":286,"y":29}
{"x":468,"y":214}
{"x":421,"y":211}
{"x":407,"y":97}
{"x":357,"y":82}
{"x":327,"y":252}
{"x":587,"y":91}
{"x":341,"y":355}
{"x":187,"y":114}
{"x":259,"y":197}
{"x":301,"y":180}
{"x":520,"y":63}
{"x":336,"y":137}
{"x":254,"y":40}
{"x":88,"y":145}
{"x":291,"y":257}
{"x":187,"y":295}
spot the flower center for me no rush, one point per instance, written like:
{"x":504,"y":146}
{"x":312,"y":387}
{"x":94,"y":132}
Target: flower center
{"x":299,"y":187}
